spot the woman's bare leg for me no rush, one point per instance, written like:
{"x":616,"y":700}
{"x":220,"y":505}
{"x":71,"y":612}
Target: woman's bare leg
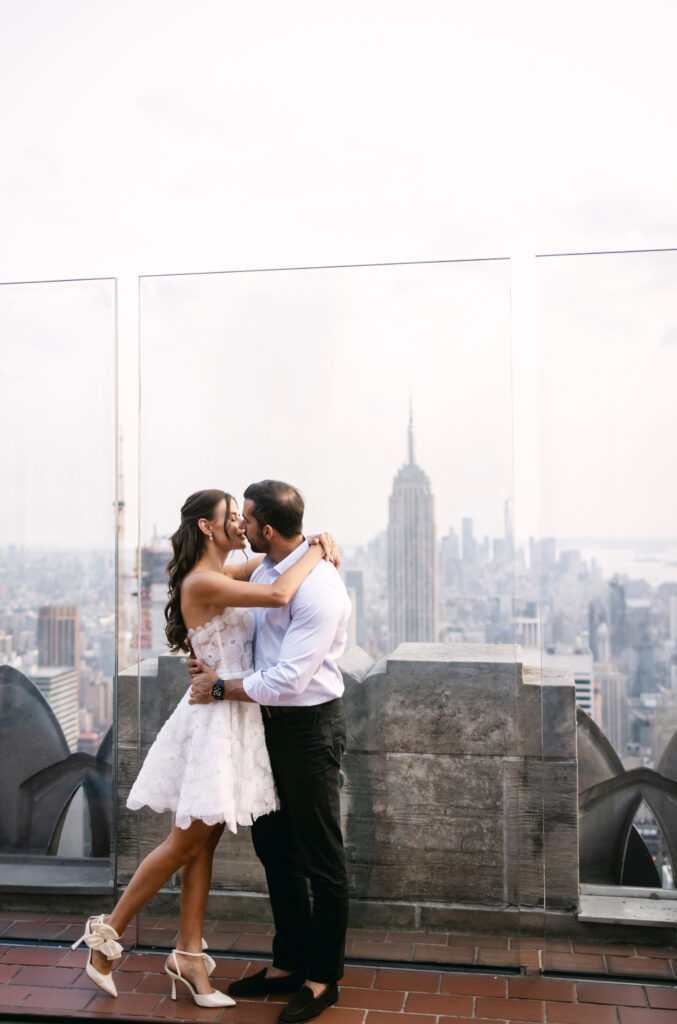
{"x":195,"y":880}
{"x":180,"y":846}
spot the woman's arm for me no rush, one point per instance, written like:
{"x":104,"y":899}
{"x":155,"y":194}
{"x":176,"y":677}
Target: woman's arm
{"x":213,"y":588}
{"x":243,"y":570}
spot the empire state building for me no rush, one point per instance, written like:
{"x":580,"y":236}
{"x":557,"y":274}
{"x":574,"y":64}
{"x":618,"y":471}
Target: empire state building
{"x":412,"y":556}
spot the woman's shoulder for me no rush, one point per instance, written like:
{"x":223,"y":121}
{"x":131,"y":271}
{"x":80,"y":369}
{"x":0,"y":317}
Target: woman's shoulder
{"x":200,"y":579}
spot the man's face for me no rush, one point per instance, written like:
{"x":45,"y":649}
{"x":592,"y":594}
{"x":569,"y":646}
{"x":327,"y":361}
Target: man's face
{"x":257,"y":542}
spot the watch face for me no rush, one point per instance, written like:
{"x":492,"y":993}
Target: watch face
{"x":217,"y":691}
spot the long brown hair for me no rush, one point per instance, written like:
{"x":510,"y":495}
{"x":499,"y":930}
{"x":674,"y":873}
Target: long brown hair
{"x":188,"y":544}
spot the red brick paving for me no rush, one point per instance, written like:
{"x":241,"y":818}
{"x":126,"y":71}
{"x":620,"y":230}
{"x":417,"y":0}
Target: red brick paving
{"x":583,"y":963}
{"x":474,"y":984}
{"x":581,"y":1013}
{"x":436,"y":1004}
{"x":8,"y":971}
{"x":664,"y":998}
{"x":609,"y":992}
{"x":630,"y":1015}
{"x":415,"y":981}
{"x":503,"y":1009}
{"x":50,"y":981}
{"x":646,"y":967}
{"x":58,"y":999}
{"x":560,"y":989}
{"x":374,"y":1017}
{"x":372,"y":999}
{"x":13,"y":995}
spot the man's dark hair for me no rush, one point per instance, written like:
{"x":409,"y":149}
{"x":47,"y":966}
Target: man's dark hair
{"x":278,"y":505}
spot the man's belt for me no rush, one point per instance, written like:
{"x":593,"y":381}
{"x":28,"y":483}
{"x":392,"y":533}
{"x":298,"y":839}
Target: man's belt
{"x":278,"y":712}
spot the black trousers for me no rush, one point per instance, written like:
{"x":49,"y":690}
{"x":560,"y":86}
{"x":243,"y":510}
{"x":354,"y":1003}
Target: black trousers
{"x":302,"y":842}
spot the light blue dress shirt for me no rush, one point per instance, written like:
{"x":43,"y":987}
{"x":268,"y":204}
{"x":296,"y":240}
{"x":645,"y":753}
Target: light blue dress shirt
{"x":297,"y":648}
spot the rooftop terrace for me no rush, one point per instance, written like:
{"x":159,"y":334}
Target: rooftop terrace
{"x":47,"y":980}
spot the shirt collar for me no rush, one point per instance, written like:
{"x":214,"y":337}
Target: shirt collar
{"x":279,"y":567}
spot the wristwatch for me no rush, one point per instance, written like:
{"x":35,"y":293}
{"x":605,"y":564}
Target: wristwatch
{"x":218,"y":690}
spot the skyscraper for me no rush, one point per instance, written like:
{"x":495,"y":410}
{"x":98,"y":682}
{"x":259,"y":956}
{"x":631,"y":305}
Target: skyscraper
{"x":153,"y":594}
{"x":355,"y":583}
{"x":59,"y":687}
{"x":469,"y":543}
{"x":412,"y":555}
{"x":59,"y":635}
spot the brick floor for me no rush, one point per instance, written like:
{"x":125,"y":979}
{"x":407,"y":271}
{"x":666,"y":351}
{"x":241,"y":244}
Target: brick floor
{"x":425,"y":948}
{"x":50,"y":981}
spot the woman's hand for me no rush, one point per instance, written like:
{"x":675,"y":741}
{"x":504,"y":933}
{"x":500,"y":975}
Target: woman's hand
{"x":329,"y":546}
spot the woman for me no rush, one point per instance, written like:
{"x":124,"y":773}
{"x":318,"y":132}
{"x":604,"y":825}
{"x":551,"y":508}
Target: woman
{"x":209,"y":763}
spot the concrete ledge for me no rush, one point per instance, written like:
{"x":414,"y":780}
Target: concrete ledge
{"x":86,"y":876}
{"x":628,"y":906}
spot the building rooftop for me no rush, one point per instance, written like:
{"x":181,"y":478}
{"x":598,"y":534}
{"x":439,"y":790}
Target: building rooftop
{"x":46,"y":978}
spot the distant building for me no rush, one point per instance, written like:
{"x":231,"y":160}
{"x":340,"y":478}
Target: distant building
{"x":59,"y":686}
{"x":59,"y":635}
{"x":612,"y":689}
{"x":527,"y":624}
{"x":603,"y":642}
{"x":469,"y":544}
{"x":412,"y":556}
{"x":663,"y":723}
{"x":153,"y":597}
{"x":542,"y":555}
{"x":578,"y":661}
{"x":571,"y":563}
{"x":449,"y":558}
{"x":596,"y":617}
{"x":355,"y":587}
{"x":617,"y":616}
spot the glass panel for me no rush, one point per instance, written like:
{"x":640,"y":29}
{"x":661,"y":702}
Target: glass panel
{"x":384,"y":393}
{"x":57,"y":601}
{"x":608,"y":576}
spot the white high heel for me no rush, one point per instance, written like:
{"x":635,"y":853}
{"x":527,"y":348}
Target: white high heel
{"x":102,"y":937}
{"x":208,"y":999}
{"x":210,"y":962}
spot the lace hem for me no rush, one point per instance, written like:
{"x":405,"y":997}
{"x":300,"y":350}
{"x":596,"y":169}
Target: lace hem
{"x":183,"y":820}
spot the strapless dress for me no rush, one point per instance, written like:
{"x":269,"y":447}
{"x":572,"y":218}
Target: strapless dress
{"x":209,"y":762}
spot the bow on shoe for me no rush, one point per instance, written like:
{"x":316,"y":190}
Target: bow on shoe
{"x":104,"y":944}
{"x":103,"y":938}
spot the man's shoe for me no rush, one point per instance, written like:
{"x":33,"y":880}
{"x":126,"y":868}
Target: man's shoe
{"x":259,"y":985}
{"x":305,"y":1006}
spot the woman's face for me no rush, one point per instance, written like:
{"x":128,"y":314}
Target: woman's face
{"x":233,"y":527}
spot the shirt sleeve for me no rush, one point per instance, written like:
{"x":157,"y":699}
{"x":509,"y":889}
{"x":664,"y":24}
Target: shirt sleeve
{"x":315,"y":617}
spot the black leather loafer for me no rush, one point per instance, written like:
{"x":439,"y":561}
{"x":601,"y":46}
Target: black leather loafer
{"x":259,"y":985}
{"x":305,"y":1006}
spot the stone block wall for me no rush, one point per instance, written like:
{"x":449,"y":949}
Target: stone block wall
{"x":459,"y":809}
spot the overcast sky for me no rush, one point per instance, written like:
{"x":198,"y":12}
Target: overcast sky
{"x":151,"y":137}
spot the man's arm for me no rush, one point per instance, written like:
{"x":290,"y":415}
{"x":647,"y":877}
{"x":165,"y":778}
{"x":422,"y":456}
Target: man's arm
{"x":203,"y":680}
{"x":316,"y":613}
{"x":309,"y":638}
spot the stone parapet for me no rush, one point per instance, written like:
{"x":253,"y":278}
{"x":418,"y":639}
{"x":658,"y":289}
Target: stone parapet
{"x":458,"y":805}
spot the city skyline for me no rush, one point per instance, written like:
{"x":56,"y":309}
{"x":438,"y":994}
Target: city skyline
{"x":589,"y":423}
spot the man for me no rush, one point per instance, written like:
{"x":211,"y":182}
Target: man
{"x":299,"y":686}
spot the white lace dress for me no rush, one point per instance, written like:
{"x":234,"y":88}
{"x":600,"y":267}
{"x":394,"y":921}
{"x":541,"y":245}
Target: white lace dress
{"x":209,"y":761}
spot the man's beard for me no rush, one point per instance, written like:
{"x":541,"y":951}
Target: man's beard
{"x":259,"y":546}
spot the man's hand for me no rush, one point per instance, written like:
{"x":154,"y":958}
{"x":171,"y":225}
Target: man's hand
{"x":203,"y":680}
